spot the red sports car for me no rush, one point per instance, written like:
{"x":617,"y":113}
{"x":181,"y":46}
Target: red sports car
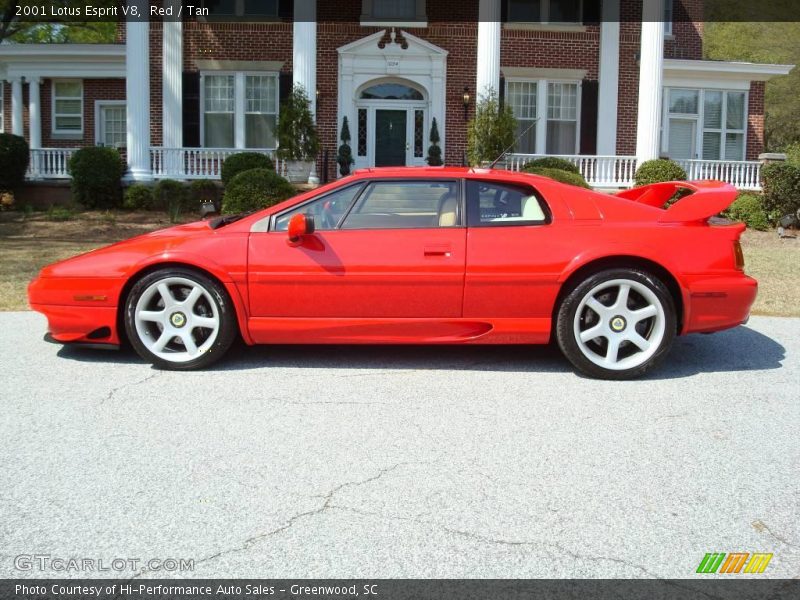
{"x":419,"y":256}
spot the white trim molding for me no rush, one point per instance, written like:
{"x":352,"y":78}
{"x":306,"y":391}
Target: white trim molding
{"x":99,"y":127}
{"x":82,"y":61}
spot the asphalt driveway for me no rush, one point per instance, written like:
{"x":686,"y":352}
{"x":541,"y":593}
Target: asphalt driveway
{"x":391,"y":462}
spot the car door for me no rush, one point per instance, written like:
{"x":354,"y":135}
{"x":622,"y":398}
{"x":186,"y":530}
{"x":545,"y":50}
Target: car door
{"x":381,"y":249}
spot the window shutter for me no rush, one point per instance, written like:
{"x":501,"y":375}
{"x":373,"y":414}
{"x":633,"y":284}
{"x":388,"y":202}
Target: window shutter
{"x":191,"y":109}
{"x":285,"y":80}
{"x":501,"y":93}
{"x":588,"y":136}
{"x":591,"y":12}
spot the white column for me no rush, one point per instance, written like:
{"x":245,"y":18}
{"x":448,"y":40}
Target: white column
{"x":488,"y":66}
{"x":172,"y":92}
{"x":304,"y":58}
{"x":609,"y":80}
{"x":137,"y":90}
{"x":651,"y":75}
{"x":35,"y":123}
{"x":16,"y":106}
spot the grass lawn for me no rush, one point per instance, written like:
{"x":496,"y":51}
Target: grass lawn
{"x":27,"y":243}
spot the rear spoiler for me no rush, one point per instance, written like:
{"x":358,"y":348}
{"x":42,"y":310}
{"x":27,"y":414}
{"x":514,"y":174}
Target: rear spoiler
{"x":708,"y":198}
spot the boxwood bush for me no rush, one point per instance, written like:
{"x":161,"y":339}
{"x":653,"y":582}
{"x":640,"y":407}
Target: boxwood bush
{"x":656,"y":171}
{"x":254,"y":190}
{"x":749,"y":209}
{"x":568,"y":177}
{"x":781,"y":183}
{"x":243,"y":161}
{"x":14,"y":157}
{"x":205,"y":190}
{"x":138,"y":197}
{"x":553,"y":162}
{"x":97,"y":177}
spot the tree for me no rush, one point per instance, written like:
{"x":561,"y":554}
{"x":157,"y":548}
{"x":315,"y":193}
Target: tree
{"x":345,"y":155}
{"x":54,"y":29}
{"x":491,"y":132}
{"x":434,"y":152}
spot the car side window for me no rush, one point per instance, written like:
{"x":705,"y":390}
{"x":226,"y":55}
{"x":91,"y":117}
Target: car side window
{"x":406,"y":205}
{"x":495,"y":204}
{"x":326,"y":211}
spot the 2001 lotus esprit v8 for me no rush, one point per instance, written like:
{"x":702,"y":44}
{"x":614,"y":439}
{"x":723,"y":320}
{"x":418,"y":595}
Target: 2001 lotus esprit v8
{"x":419,"y":256}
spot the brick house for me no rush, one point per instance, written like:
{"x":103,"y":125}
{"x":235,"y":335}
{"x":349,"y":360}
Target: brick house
{"x":606,"y":84}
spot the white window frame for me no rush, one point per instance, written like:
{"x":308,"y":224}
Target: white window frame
{"x":239,"y":104}
{"x":368,"y":18}
{"x":669,"y":11}
{"x":545,"y":14}
{"x":54,"y":115}
{"x":98,"y":120}
{"x":541,"y":109}
{"x":700,"y":117}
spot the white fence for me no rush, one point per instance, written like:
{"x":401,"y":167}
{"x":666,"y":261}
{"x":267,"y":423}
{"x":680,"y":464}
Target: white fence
{"x":196,"y":163}
{"x":599,"y":171}
{"x":49,"y":163}
{"x":743,"y":174}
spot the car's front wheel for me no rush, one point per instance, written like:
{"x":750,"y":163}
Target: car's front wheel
{"x":179,"y":319}
{"x":617,"y":324}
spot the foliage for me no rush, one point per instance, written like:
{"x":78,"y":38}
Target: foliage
{"x":344,"y":157}
{"x":748,"y":209}
{"x":97,"y":177}
{"x":792,"y":152}
{"x":658,"y":170}
{"x":14,"y":157}
{"x":243,"y":161}
{"x":172,"y":196}
{"x":781,"y":183}
{"x":491,"y":132}
{"x":297,"y":134}
{"x":55,"y":29}
{"x":730,"y":35}
{"x":553,"y":162}
{"x":254,"y":190}
{"x":568,"y":177}
{"x":205,"y":190}
{"x":138,"y":197}
{"x":434,"y":151}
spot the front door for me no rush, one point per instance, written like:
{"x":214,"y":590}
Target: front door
{"x":390,"y":138}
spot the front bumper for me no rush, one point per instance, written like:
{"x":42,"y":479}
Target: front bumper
{"x":717,"y":303}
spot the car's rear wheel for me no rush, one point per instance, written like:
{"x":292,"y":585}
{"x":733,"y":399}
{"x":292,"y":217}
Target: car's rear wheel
{"x":617,"y":324}
{"x":179,"y":319}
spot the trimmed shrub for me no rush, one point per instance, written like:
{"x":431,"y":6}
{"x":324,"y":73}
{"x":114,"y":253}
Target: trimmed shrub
{"x":138,"y":197}
{"x":254,"y":190}
{"x":434,"y":151}
{"x":344,"y":157}
{"x":656,"y":171}
{"x":97,"y":177}
{"x":781,"y":183}
{"x":204,"y":190}
{"x":297,"y":133}
{"x":243,"y":161}
{"x":171,"y":196}
{"x":748,"y":209}
{"x":559,"y":175}
{"x":14,"y":157}
{"x":553,"y":162}
{"x":492,"y":131}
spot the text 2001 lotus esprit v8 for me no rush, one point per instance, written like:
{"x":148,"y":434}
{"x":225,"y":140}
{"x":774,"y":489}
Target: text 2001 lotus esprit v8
{"x":421,"y":256}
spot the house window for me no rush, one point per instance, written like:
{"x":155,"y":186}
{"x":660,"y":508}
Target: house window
{"x":388,"y":11}
{"x":707,"y":124}
{"x":547,"y":114}
{"x":68,"y":106}
{"x":111,"y":124}
{"x":240,"y":110}
{"x":241,"y":8}
{"x":545,"y":11}
{"x":668,"y":17}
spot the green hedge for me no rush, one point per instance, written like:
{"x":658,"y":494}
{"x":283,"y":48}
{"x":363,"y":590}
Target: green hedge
{"x":254,"y":190}
{"x":749,"y":209}
{"x":781,"y":183}
{"x":553,"y":162}
{"x":14,"y":157}
{"x":559,"y":175}
{"x":243,"y":161}
{"x":97,"y":177}
{"x":173,"y":197}
{"x":138,"y":197}
{"x":656,"y":171}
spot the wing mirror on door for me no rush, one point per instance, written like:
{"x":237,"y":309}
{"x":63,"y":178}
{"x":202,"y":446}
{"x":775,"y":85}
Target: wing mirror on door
{"x":299,"y":225}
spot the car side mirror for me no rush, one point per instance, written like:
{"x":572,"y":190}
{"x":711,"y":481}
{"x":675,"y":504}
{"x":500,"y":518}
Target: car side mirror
{"x":299,"y":226}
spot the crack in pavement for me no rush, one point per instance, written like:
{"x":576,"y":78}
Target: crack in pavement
{"x":119,"y":388}
{"x":760,"y":526}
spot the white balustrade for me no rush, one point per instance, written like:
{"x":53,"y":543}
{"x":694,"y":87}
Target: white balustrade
{"x":599,"y":171}
{"x":49,"y":163}
{"x":742,"y":174}
{"x":197,"y":163}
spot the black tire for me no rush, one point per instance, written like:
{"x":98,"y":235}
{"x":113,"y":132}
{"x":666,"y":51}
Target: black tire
{"x":227,"y":323}
{"x":577,"y":352}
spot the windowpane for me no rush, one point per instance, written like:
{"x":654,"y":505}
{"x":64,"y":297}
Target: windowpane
{"x":562,"y":101}
{"x":405,"y":205}
{"x":419,"y":133}
{"x":682,"y":138}
{"x":521,"y":97}
{"x":394,"y":9}
{"x":734,"y":146}
{"x":255,"y":8}
{"x":711,"y":145}
{"x":525,"y":11}
{"x":712,"y":107}
{"x":68,"y":123}
{"x":561,"y":137}
{"x":496,"y":203}
{"x":683,"y":101}
{"x":565,"y":11}
{"x":326,"y":212}
{"x":735,"y":117}
{"x":391,"y":91}
{"x":68,"y":107}
{"x":114,"y":126}
{"x":219,"y":130}
{"x":362,"y":131}
{"x":68,"y":89}
{"x":260,"y":93}
{"x":218,"y":93}
{"x":260,"y":130}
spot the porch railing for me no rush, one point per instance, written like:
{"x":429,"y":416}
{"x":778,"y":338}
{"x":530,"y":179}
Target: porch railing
{"x":742,"y":174}
{"x":599,"y":171}
{"x":197,"y":163}
{"x":49,"y":163}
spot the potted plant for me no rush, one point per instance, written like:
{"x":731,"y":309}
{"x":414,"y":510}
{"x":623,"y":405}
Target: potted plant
{"x":298,"y":143}
{"x":434,"y":151}
{"x":491,"y":131}
{"x":344,"y":157}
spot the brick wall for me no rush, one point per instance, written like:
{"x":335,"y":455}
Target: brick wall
{"x":686,"y":41}
{"x":93,"y":89}
{"x":755,"y":121}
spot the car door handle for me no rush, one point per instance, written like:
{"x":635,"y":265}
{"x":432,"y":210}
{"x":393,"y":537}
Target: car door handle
{"x":437,"y":251}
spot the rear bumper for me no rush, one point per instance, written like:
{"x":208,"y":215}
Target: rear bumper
{"x":717,"y":303}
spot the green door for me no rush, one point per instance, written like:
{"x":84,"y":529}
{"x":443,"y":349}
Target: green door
{"x":390,"y":138}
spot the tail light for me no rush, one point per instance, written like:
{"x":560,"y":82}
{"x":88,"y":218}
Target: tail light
{"x":738,"y":255}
